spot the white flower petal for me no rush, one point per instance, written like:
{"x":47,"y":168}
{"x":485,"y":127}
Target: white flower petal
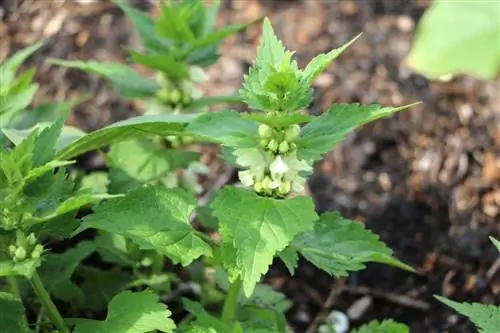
{"x":279,"y":166}
{"x":246,"y":177}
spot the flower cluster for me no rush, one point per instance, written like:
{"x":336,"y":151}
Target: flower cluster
{"x":273,"y":168}
{"x":26,"y":248}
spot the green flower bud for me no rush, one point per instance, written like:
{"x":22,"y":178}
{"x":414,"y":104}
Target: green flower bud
{"x":273,"y":145}
{"x":175,"y":96}
{"x":186,"y":99}
{"x":146,"y":262}
{"x":285,"y":188}
{"x":265,"y":131}
{"x":31,"y":239}
{"x":292,"y":132}
{"x":163,"y":96}
{"x":284,"y":147}
{"x":258,"y":187}
{"x":12,"y":250}
{"x":264,"y":143}
{"x":37,"y":252}
{"x":20,"y":254}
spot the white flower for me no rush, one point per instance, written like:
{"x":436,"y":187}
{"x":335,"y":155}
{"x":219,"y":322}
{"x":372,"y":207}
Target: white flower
{"x":251,"y":157}
{"x":246,"y":177}
{"x":279,"y":166}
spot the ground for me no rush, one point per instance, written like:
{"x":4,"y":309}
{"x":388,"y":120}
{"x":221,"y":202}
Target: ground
{"x":426,"y":180}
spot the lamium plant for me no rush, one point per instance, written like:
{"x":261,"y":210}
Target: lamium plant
{"x":264,"y":217}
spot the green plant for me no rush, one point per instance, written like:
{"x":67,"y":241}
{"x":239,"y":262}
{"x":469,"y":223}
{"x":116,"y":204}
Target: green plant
{"x":458,"y":37}
{"x":260,"y":220}
{"x":485,"y":317}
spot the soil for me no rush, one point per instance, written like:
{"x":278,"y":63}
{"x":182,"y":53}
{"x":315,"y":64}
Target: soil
{"x":427,"y":180}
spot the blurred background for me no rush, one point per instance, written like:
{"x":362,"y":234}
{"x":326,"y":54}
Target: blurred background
{"x":426,"y":180}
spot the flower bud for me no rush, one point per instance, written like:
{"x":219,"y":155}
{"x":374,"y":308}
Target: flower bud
{"x":258,"y":187}
{"x":175,"y":96}
{"x":12,"y":250}
{"x":273,"y":145}
{"x":163,"y":96}
{"x":285,"y":187}
{"x":292,"y":132}
{"x":265,"y":131}
{"x":37,"y":251}
{"x":20,"y":254}
{"x":284,"y":147}
{"x":31,"y":239}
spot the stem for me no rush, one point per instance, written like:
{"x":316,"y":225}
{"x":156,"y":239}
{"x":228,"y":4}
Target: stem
{"x":229,"y":309}
{"x":14,"y":289}
{"x":47,"y":303}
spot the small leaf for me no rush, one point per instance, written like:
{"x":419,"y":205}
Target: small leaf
{"x":386,"y":326}
{"x":127,"y":129}
{"x":226,"y":127}
{"x":258,"y":228}
{"x":217,"y":36}
{"x":495,"y":242}
{"x":153,"y":218}
{"x":172,"y":25}
{"x":130,"y":83}
{"x":337,"y":246}
{"x":9,"y":67}
{"x":24,"y":268}
{"x":164,"y":62}
{"x":317,"y":65}
{"x":12,"y":314}
{"x":485,"y":317}
{"x":131,"y":312}
{"x":457,"y":37}
{"x":324,"y":132}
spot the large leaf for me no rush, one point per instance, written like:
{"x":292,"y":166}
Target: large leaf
{"x":128,"y":129}
{"x":456,"y":37}
{"x":324,"y":132}
{"x":225,"y":127}
{"x":12,"y":314}
{"x":256,"y":228}
{"x":154,"y":218}
{"x":131,"y":312}
{"x":386,"y":326}
{"x":130,"y":83}
{"x":485,"y":317}
{"x":338,"y":245}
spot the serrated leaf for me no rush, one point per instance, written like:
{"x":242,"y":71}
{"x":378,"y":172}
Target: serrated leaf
{"x":100,"y":286}
{"x":144,"y":26}
{"x":338,"y":245}
{"x":323,"y":133}
{"x":456,"y":37}
{"x":154,"y":218}
{"x":132,"y":128}
{"x":59,"y":228}
{"x":258,"y":228}
{"x":12,"y":104}
{"x":226,"y":127}
{"x":495,"y":242}
{"x":217,"y":36}
{"x":386,"y":326}
{"x":319,"y":63}
{"x":41,"y":170}
{"x":171,"y":25}
{"x":130,"y":312}
{"x":291,"y":259}
{"x":485,"y":317}
{"x":58,"y":269}
{"x":45,"y":142}
{"x":12,"y":314}
{"x":128,"y":81}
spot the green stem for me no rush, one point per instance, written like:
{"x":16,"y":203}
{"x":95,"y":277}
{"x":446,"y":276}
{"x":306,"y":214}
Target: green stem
{"x":231,"y":302}
{"x":14,"y":289}
{"x":47,"y":304}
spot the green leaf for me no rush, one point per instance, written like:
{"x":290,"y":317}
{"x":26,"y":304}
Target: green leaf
{"x":495,"y":242}
{"x":144,"y":26}
{"x":323,"y":133}
{"x":58,"y":269}
{"x":45,"y":142}
{"x":100,"y":286}
{"x":127,"y":129}
{"x":12,"y":104}
{"x":164,"y":62}
{"x":9,"y":67}
{"x":319,"y":63}
{"x":256,"y":228}
{"x":131,"y":313}
{"x":338,"y":245}
{"x":485,"y":317}
{"x":130,"y":83}
{"x":226,"y":127}
{"x":456,"y":37}
{"x":95,"y":182}
{"x":59,"y":228}
{"x":171,"y":25}
{"x":153,"y":218}
{"x":386,"y":326}
{"x":24,"y":268}
{"x":291,"y":259}
{"x":12,"y":314}
{"x":212,"y":100}
{"x":217,"y":36}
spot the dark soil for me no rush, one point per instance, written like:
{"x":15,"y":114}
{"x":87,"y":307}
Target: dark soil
{"x":426,"y":180}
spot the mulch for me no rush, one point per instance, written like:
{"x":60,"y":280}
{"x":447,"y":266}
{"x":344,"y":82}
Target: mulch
{"x":427,"y":180}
